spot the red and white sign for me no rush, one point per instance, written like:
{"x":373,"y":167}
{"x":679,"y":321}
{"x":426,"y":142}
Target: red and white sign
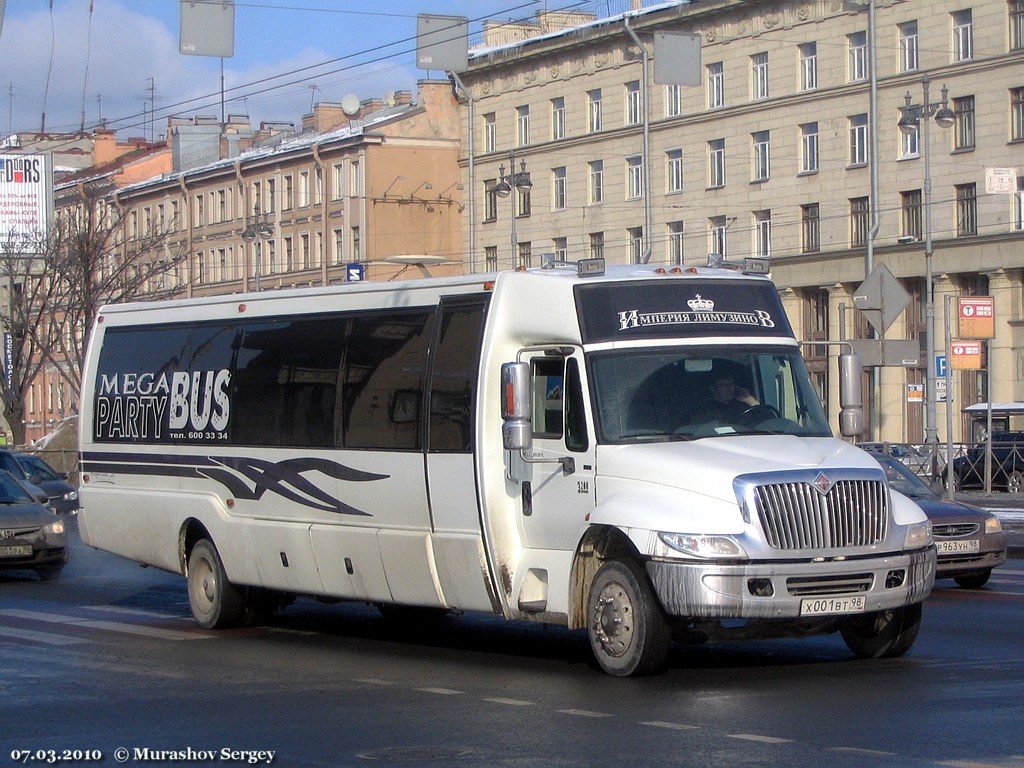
{"x":966,"y":355}
{"x":977,"y":317}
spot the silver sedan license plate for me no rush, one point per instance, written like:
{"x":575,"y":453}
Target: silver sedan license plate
{"x":826,"y":606}
{"x":18,"y":550}
{"x":953,"y":547}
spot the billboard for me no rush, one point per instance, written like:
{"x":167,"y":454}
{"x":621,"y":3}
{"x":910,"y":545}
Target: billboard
{"x":26,"y":194}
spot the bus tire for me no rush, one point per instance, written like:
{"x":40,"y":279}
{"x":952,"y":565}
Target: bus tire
{"x":628,"y":633}
{"x":883,"y":634}
{"x":216,"y":603}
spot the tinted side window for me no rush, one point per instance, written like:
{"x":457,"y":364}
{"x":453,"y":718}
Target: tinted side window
{"x":454,"y":376}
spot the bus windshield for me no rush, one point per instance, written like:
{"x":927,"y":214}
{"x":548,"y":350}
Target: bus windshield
{"x":681,"y":393}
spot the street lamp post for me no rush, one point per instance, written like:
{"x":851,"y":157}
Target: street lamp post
{"x":519,"y":181}
{"x":257,"y":226}
{"x":913,"y":117}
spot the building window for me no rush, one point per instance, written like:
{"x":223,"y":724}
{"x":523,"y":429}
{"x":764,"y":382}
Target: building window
{"x":716,"y":85}
{"x":558,"y":188}
{"x":597,"y":245}
{"x":490,"y":200}
{"x":908,"y":46}
{"x":910,"y":214}
{"x":490,"y":132}
{"x":558,"y":118}
{"x":305,"y":253}
{"x":759,"y":76}
{"x":338,"y":188}
{"x":633,"y":112}
{"x":271,"y":199}
{"x":1017,"y":114}
{"x":963,"y":126}
{"x":860,"y":221}
{"x":634,"y":177}
{"x":716,"y":163}
{"x":810,"y":228}
{"x":491,"y":258}
{"x":910,"y":142}
{"x":356,"y":245}
{"x":963,"y":35}
{"x":1016,"y":8}
{"x":595,"y":118}
{"x":560,"y":245}
{"x":717,"y":236}
{"x":523,"y":202}
{"x":966,"y":210}
{"x":808,"y":66}
{"x":355,"y":179}
{"x":303,"y":189}
{"x":674,"y":170}
{"x":674,"y":100}
{"x":675,"y":242}
{"x":636,"y":244}
{"x":339,"y":246}
{"x":858,"y":139}
{"x":288,"y":193}
{"x":523,"y":126}
{"x":809,"y":148}
{"x":596,"y":186}
{"x":1018,"y":204}
{"x":857,"y":46}
{"x":524,"y":255}
{"x":763,"y":233}
{"x":761,"y":170}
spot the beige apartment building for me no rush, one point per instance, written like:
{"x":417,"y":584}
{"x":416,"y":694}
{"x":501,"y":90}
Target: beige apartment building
{"x":769,"y":154}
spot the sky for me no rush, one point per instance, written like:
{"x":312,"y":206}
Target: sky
{"x":68,"y":64}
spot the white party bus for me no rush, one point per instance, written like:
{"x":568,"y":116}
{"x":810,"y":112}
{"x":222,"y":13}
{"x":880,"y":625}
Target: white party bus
{"x":545,"y":445}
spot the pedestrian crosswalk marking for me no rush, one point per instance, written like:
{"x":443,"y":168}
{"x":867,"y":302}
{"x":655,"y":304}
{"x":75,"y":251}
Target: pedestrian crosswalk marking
{"x":71,"y":622}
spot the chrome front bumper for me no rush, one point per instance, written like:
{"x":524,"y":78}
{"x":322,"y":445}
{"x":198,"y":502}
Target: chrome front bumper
{"x":768,"y":590}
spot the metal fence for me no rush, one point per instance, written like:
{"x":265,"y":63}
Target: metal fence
{"x":971,"y":465}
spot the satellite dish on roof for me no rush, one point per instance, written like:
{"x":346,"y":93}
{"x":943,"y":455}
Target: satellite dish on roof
{"x":350,"y":104}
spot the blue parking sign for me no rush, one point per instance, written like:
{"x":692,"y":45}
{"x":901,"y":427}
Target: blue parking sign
{"x":355,"y":273}
{"x":940,"y":366}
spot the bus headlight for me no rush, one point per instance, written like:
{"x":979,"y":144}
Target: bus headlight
{"x":704,"y":546}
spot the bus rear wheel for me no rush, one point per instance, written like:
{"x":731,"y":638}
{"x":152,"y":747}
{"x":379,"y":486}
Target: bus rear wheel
{"x":628,"y":632}
{"x":216,"y":603}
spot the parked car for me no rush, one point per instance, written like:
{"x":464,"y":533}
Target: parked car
{"x":1007,"y":463}
{"x":970,"y":541}
{"x":62,"y":497}
{"x":31,"y":536}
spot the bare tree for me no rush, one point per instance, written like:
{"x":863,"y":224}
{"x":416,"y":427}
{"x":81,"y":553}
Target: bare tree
{"x":56,"y":287}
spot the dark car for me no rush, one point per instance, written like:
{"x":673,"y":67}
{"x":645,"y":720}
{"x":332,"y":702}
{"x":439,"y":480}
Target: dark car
{"x":1007,"y":463}
{"x":31,"y":536}
{"x":61,"y":496}
{"x":970,"y":541}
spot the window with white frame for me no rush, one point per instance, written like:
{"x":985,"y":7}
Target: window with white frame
{"x":810,"y":228}
{"x":963,"y":123}
{"x":303,"y":189}
{"x":857,"y":47}
{"x":560,"y":246}
{"x":759,"y":76}
{"x":524,"y":254}
{"x":1016,"y":11}
{"x":910,"y":214}
{"x":910,"y":142}
{"x":558,"y":118}
{"x":523,"y":125}
{"x":596,"y":245}
{"x":761,"y":142}
{"x":356,"y":244}
{"x":634,"y":177}
{"x":716,"y":85}
{"x":355,"y":178}
{"x":339,"y":245}
{"x":490,"y":200}
{"x":305,"y":252}
{"x":860,"y":220}
{"x":338,"y":187}
{"x":674,"y":100}
{"x":674,"y":170}
{"x":717,"y":241}
{"x":963,"y":35}
{"x":558,"y":188}
{"x":716,"y":163}
{"x":634,"y":114}
{"x":966,"y":210}
{"x":675,"y":242}
{"x":490,"y":132}
{"x":635,"y":237}
{"x":763,"y":233}
{"x":858,"y":139}
{"x":907,"y":33}
{"x":809,"y":148}
{"x":1018,"y":204}
{"x":595,"y":116}
{"x":491,"y":258}
{"x":808,"y":66}
{"x":596,"y":184}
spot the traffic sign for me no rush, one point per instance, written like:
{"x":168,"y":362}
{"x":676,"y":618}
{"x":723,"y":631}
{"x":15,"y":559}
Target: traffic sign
{"x":940,"y":366}
{"x":977,"y":317}
{"x":355,"y":273}
{"x":882,"y":298}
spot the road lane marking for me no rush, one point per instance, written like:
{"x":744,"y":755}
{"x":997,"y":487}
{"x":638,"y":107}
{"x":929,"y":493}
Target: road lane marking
{"x":584,"y":713}
{"x":108,"y":626}
{"x":441,"y":691}
{"x":861,"y":751}
{"x":509,"y":702}
{"x":759,"y":738}
{"x":671,"y":726}
{"x":41,"y":637}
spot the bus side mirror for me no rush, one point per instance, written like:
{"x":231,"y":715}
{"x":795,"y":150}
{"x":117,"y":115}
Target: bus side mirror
{"x":517,"y":430}
{"x":851,"y":398}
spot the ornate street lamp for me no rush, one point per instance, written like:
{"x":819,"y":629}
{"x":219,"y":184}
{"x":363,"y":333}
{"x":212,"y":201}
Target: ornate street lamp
{"x":257,"y":227}
{"x":520,"y":181}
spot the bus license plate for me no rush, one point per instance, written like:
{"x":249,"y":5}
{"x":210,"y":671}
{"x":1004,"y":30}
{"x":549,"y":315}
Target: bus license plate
{"x":825,"y":606}
{"x":954,"y":547}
